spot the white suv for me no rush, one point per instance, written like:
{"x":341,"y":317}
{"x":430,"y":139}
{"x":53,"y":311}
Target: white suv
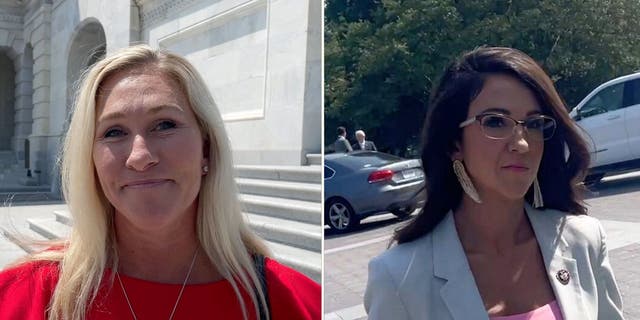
{"x":610,"y":115}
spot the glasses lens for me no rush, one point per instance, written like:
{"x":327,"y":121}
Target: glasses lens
{"x":541,"y":127}
{"x":497,"y":126}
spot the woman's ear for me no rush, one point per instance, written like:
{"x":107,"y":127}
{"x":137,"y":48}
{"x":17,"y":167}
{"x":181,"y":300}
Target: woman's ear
{"x":456,"y":153}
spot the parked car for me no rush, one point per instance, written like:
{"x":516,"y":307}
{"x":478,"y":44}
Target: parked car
{"x":365,"y":183}
{"x":610,"y":117}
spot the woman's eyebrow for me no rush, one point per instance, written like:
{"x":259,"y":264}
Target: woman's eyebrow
{"x":152,"y":110}
{"x":507,"y":112}
{"x":496,"y":110}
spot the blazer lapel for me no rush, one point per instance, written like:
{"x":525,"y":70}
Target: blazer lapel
{"x":459,"y":292}
{"x":548,"y":226}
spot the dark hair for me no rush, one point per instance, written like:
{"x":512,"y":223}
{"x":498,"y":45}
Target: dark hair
{"x":460,"y":84}
{"x":341,"y":131}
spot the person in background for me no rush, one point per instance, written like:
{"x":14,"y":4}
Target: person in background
{"x":504,"y":233}
{"x":363,"y":144}
{"x":158,"y":230}
{"x":342,"y":144}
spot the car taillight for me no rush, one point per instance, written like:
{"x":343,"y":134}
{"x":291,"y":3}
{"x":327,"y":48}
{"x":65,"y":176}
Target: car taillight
{"x":380,"y":175}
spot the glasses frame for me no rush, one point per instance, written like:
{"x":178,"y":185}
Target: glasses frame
{"x":478,"y":118}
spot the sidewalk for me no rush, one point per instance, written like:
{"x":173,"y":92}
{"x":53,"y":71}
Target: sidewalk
{"x":14,"y":219}
{"x":615,"y":204}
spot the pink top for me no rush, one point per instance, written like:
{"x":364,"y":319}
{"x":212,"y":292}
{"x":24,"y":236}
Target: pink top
{"x":550,"y":311}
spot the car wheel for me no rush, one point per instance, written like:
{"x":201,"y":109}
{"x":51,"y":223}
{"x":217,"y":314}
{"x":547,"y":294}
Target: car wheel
{"x":593,"y":179}
{"x":340,"y":216}
{"x":403,"y":213}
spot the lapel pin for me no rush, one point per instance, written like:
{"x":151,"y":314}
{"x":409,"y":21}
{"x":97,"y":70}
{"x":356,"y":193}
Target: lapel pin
{"x":563,"y":276}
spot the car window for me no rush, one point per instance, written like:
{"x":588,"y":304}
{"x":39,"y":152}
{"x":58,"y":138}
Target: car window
{"x":328,"y":173}
{"x":372,"y":159}
{"x":608,"y":99}
{"x":632,"y":93}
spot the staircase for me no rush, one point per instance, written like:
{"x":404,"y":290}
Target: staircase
{"x":14,"y":185}
{"x":282,"y":204}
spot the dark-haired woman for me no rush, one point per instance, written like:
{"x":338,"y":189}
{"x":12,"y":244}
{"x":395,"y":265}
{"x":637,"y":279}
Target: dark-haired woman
{"x":503,"y":234}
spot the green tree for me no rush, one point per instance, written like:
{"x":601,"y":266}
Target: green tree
{"x":382,"y":57}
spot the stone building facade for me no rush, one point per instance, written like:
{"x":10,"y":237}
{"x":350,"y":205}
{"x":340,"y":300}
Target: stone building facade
{"x":260,"y":58}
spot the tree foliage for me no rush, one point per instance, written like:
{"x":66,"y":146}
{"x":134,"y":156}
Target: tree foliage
{"x":382,"y":57}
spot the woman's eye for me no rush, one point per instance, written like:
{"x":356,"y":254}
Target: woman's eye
{"x":535,"y":124}
{"x":493,"y":122}
{"x":113,"y":133}
{"x":164,"y":125}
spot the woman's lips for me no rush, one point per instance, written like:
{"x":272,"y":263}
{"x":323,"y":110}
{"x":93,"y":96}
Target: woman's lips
{"x":516,"y":168}
{"x":141,"y":184}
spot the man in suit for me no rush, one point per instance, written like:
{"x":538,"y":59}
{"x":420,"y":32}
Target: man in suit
{"x":342,"y":144}
{"x":363,"y":144}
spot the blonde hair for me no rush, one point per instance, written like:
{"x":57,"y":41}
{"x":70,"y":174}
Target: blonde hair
{"x":221,"y":230}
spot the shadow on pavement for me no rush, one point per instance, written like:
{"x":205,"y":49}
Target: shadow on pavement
{"x":364,"y":227}
{"x":613,"y":187}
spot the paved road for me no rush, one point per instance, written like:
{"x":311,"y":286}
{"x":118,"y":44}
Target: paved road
{"x":616,"y":202}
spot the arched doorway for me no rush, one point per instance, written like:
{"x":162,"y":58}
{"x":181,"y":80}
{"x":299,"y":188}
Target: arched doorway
{"x":7,"y":101}
{"x":87,"y":47}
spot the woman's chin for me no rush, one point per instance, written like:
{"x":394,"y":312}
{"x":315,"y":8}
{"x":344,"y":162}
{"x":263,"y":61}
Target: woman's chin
{"x":150,"y":215}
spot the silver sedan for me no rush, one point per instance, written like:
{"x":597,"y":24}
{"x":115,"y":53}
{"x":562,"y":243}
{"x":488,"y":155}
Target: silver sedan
{"x":361,"y":184}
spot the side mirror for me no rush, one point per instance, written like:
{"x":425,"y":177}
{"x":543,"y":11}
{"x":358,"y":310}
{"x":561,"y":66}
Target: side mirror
{"x":578,"y":115}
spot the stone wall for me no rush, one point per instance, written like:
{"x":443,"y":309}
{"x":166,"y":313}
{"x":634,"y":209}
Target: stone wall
{"x":260,"y":58}
{"x":254,"y":56}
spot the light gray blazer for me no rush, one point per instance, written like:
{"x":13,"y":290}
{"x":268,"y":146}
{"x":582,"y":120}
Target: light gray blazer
{"x":430,"y":279}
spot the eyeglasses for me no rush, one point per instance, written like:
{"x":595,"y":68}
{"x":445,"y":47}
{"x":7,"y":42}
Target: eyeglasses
{"x":501,"y":126}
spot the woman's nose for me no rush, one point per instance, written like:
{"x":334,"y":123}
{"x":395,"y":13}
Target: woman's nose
{"x":140,"y":157}
{"x":518,"y":141}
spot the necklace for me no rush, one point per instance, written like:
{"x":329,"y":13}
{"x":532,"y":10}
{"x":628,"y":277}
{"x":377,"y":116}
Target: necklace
{"x":175,"y":306}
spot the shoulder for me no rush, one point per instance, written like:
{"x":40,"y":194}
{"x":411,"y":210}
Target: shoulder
{"x":582,"y":235}
{"x":397,"y":277}
{"x":575,"y":229}
{"x":34,"y":271}
{"x":292,"y":295}
{"x":27,"y":288}
{"x":402,"y":260}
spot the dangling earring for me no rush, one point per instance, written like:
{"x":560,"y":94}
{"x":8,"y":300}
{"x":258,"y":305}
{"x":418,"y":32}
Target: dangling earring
{"x":205,"y":169}
{"x":537,"y":194}
{"x":465,"y":181}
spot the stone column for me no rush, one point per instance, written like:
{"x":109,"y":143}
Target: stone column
{"x":42,"y":158}
{"x":134,"y":24}
{"x":7,"y":100}
{"x":23,"y":103}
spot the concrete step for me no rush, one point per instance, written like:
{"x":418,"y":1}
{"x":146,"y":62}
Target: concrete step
{"x":12,"y":164}
{"x":49,"y":228}
{"x":26,"y":195}
{"x":304,"y":211}
{"x":6,"y":167}
{"x":314,"y":159}
{"x":305,"y":261}
{"x":26,"y":239}
{"x":8,"y":156}
{"x":9,"y":252}
{"x":299,"y":234}
{"x":289,"y":232}
{"x":281,"y":189}
{"x":310,"y":174}
{"x":63,"y":216}
{"x":13,"y":172}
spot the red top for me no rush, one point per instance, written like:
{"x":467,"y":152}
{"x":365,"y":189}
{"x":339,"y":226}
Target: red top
{"x":550,"y":311}
{"x":25,"y":292}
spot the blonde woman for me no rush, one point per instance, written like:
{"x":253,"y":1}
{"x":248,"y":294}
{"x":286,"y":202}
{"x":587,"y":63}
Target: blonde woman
{"x":158,"y":232}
